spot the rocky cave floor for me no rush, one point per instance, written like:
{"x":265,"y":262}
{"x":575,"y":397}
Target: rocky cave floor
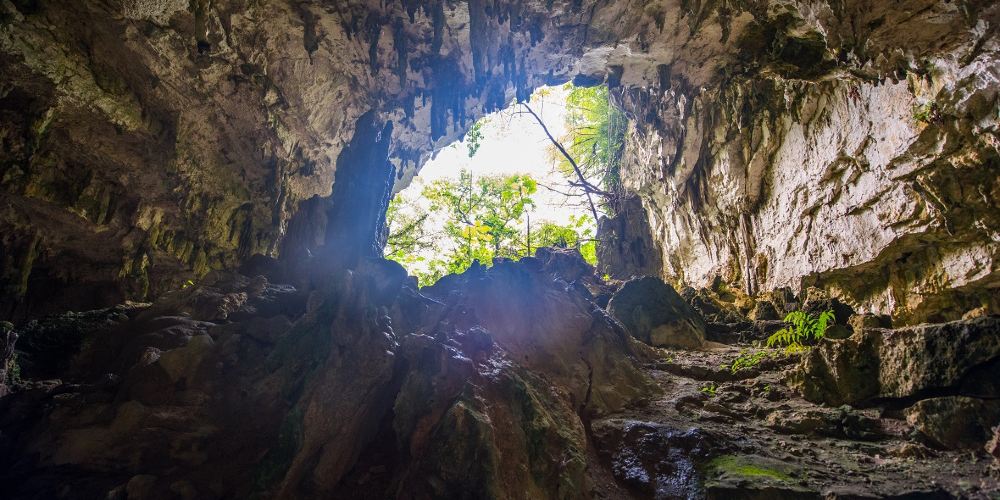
{"x":510,"y":382}
{"x":762,"y":440}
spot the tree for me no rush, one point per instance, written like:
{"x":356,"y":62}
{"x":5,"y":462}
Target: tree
{"x":474,"y":137}
{"x":408,"y":237}
{"x":484,"y":218}
{"x":574,"y":235}
{"x":589,"y":155}
{"x":596,"y":134}
{"x":483,"y":214}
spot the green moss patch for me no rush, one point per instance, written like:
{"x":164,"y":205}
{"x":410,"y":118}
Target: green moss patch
{"x":748,"y":467}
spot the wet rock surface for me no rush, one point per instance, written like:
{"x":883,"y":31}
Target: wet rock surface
{"x":960,"y":356}
{"x":507,"y":382}
{"x":750,"y":435}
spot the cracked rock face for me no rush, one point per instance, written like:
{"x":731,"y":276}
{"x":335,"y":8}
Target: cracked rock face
{"x":772,"y":143}
{"x":960,"y":357}
{"x":852,"y":149}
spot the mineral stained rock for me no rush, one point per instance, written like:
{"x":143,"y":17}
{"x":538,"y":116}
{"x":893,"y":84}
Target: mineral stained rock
{"x":771,"y":144}
{"x":961,"y":356}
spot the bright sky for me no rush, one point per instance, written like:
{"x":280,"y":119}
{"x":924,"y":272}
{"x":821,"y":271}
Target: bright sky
{"x":513,"y":143}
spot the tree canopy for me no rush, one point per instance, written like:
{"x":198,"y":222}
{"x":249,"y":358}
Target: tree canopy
{"x":484,"y":218}
{"x":595,"y":139}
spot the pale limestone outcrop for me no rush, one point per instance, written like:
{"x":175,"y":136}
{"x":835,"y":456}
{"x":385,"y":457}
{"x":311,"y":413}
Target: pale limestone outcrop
{"x":779,"y":143}
{"x":856,"y":159}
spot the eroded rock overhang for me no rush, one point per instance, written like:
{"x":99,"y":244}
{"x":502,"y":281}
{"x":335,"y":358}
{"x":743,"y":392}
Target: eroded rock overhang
{"x":772,"y":143}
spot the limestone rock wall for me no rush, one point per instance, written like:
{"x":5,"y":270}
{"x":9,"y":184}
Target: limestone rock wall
{"x":851,"y":147}
{"x":147,"y":142}
{"x":774,"y":142}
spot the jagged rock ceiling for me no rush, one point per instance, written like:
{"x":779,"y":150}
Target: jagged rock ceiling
{"x":146,"y":142}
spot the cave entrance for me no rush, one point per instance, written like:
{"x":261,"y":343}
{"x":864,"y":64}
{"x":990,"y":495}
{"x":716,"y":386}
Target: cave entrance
{"x":532,"y":175}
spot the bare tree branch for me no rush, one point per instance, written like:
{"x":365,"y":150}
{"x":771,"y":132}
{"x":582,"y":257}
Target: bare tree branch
{"x":566,"y":154}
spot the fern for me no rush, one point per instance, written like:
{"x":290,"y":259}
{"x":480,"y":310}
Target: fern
{"x":801,"y":328}
{"x":709,"y":389}
{"x":747,"y":360}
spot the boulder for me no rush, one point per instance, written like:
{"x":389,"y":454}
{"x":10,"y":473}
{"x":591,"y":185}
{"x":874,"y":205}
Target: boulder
{"x":838,"y":332}
{"x":880,"y":363}
{"x":954,"y":422}
{"x":654,"y":313}
{"x":182,"y":363}
{"x":625,"y":246}
{"x":864,"y":321}
{"x":568,"y":264}
{"x":817,"y":301}
{"x":712,"y":307}
{"x":547,"y":326}
{"x":49,"y":346}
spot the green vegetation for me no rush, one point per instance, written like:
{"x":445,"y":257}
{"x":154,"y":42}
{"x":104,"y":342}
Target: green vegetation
{"x":407,"y":232}
{"x":474,"y":138}
{"x":489,"y":217}
{"x":484,"y":218}
{"x":483,"y":213}
{"x":748,"y":359}
{"x":801,"y":328}
{"x":574,"y":235}
{"x":709,"y":389}
{"x":926,"y":112}
{"x":595,"y":140}
{"x":741,"y":466}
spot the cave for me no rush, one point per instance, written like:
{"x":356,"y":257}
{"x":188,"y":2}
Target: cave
{"x":796,"y":296}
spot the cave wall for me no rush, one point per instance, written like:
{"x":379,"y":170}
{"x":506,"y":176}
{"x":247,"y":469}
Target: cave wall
{"x":147,"y":142}
{"x":773,"y":143}
{"x":852,"y":147}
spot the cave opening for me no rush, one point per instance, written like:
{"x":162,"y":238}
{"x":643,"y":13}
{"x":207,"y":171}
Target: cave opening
{"x":793,"y":206}
{"x":535,"y":174}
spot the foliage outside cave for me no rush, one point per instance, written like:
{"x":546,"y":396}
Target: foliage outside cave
{"x":594,"y":143}
{"x":488,"y":217}
{"x":485,"y":218}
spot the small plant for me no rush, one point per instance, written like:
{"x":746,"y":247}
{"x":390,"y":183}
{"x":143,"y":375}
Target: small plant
{"x":926,"y":112}
{"x":801,"y":327}
{"x":747,"y":360}
{"x":709,"y":389}
{"x":474,"y":138}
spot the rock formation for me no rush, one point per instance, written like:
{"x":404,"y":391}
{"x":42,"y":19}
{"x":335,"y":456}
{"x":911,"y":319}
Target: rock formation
{"x":207,"y":181}
{"x":239,"y":387}
{"x":773,"y":144}
{"x":654,"y":313}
